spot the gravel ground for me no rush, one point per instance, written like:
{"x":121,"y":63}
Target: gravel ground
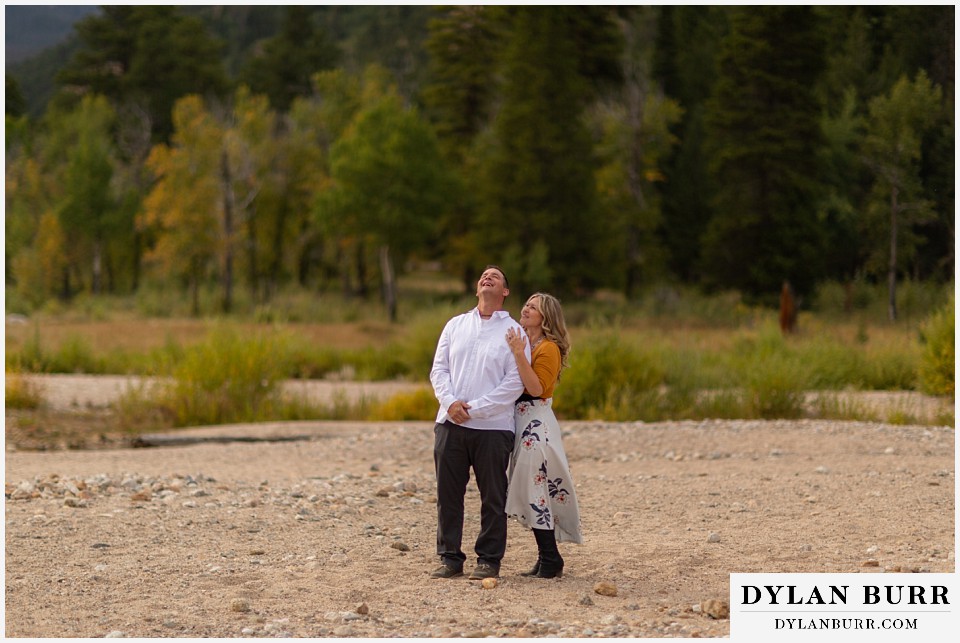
{"x":328,"y":530}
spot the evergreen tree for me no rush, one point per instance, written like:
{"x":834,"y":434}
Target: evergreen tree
{"x":148,"y":55}
{"x":14,"y":104}
{"x":288,"y":60}
{"x":464,"y":45}
{"x":764,"y":138}
{"x":684,"y":61}
{"x":539,"y":185}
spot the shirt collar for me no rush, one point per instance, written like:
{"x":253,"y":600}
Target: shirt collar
{"x":496,"y":313}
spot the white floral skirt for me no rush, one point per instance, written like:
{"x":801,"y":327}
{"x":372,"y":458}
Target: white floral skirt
{"x":541,"y":493}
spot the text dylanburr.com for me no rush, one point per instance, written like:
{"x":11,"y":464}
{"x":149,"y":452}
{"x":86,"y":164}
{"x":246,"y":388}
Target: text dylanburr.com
{"x":844,"y":607}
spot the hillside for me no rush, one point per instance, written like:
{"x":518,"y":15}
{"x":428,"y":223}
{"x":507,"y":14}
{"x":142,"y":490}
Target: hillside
{"x":41,"y":40}
{"x":31,"y":29}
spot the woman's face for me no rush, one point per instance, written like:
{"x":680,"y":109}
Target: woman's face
{"x":530,"y":316}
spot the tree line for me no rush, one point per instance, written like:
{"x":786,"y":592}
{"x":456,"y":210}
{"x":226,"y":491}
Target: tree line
{"x":582,"y":148}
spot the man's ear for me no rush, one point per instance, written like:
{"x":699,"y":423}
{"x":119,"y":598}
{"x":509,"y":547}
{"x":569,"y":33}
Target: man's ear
{"x":506,"y":291}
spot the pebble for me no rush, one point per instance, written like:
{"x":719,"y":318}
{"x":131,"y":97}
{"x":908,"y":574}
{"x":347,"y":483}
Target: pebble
{"x":605,"y":588}
{"x":239,"y":605}
{"x":116,"y":634}
{"x":715,"y":608}
{"x":714,"y":537}
{"x":585,"y":599}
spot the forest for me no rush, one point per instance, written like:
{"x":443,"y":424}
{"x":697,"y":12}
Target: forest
{"x":590,"y":149}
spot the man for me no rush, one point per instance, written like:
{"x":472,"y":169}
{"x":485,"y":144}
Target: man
{"x":476,"y":381}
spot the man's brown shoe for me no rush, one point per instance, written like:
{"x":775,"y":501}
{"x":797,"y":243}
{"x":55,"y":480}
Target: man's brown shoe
{"x":484,"y":570}
{"x":446,"y":571}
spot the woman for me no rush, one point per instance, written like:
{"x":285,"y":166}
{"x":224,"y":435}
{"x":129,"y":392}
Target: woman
{"x":541,"y":494}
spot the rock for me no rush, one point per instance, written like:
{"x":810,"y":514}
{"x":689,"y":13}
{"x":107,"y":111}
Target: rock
{"x":585,"y":600}
{"x":715,"y":608}
{"x":605,"y":588}
{"x":714,"y":537}
{"x":400,"y":546}
{"x":239,"y":605}
{"x":116,"y":634}
{"x":870,"y":562}
{"x":488,"y":583}
{"x":363,"y":609}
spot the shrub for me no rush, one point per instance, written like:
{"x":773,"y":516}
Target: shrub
{"x":420,"y":405}
{"x":937,"y":365}
{"x":772,"y":374}
{"x":226,"y":378}
{"x":608,"y":377}
{"x":419,"y":343}
{"x":22,"y":393}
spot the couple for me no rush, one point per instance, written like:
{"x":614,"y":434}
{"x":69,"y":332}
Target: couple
{"x":495,"y":414}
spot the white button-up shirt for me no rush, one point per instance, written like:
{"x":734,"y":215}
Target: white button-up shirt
{"x":474,"y":364}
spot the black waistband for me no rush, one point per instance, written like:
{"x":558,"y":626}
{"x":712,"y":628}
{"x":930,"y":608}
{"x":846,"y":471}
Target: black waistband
{"x":526,"y":397}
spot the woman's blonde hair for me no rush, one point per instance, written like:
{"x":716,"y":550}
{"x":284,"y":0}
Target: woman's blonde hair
{"x":554,"y":327}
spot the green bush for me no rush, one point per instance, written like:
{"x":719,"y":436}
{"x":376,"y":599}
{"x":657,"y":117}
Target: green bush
{"x":937,"y":365}
{"x":227,"y":378}
{"x":609,"y":378}
{"x":771,"y":373}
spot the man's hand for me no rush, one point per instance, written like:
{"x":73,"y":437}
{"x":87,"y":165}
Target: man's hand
{"x":458,"y":412}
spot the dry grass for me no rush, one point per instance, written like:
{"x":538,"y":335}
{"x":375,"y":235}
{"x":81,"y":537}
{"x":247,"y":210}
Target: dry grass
{"x":142,"y":335}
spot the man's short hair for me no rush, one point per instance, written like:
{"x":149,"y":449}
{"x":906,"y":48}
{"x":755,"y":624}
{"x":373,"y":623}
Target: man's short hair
{"x":506,"y":282}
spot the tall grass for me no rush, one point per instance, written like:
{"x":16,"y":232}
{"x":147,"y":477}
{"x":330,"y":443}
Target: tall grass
{"x":668,"y":356}
{"x":22,"y":393}
{"x":938,"y":365}
{"x":226,"y":379}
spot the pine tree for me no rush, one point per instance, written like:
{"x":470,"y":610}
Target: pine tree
{"x":763,"y":137}
{"x":147,"y":55}
{"x":539,"y":184}
{"x":289,"y":59}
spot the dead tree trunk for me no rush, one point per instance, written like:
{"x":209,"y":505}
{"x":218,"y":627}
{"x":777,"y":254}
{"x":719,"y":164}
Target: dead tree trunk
{"x":389,"y":282}
{"x":228,"y":207}
{"x":892,"y":270}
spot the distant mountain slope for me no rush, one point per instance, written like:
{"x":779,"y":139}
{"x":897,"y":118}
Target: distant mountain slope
{"x":41,"y":39}
{"x":32,"y":28}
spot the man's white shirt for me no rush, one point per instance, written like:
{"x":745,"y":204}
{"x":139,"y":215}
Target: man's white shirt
{"x":474,"y":364}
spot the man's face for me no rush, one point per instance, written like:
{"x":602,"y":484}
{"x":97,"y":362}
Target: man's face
{"x":492,"y":282}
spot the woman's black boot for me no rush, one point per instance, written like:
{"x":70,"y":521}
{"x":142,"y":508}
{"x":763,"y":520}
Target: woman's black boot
{"x":550,"y":563}
{"x":534,"y":571}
